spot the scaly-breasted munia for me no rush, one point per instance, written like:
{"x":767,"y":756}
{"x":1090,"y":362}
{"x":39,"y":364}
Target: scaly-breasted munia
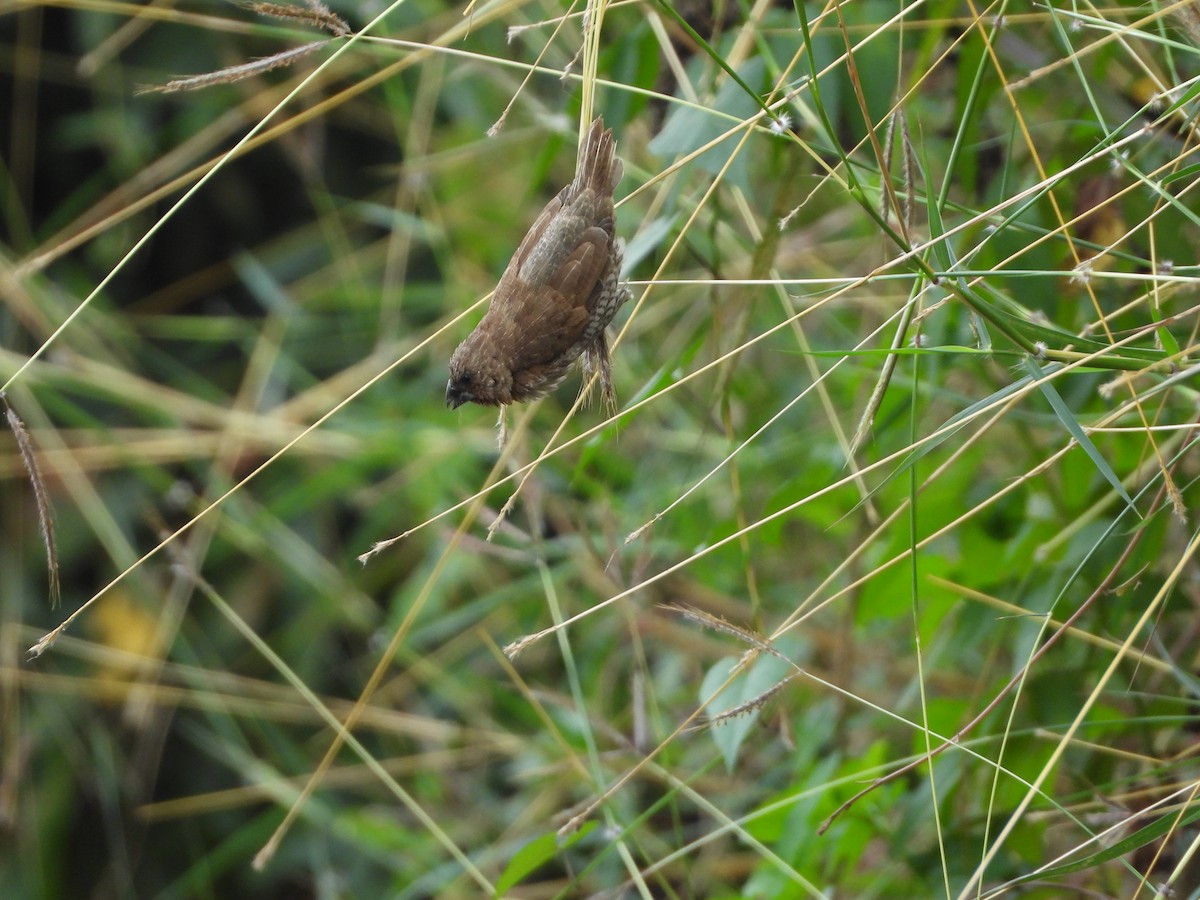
{"x":556,"y":297}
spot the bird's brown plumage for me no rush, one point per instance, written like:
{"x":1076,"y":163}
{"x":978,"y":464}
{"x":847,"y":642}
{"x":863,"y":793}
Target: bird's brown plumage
{"x":556,"y":297}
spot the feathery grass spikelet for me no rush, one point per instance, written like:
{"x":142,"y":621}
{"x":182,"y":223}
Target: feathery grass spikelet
{"x":898,"y":121}
{"x":513,"y":650}
{"x":889,"y":149}
{"x":1187,"y":17}
{"x":1082,"y":273}
{"x":716,"y":623}
{"x":316,"y":14}
{"x":752,"y":704}
{"x":910,"y":172}
{"x":233,"y":73}
{"x":313,"y":13}
{"x":41,"y":496}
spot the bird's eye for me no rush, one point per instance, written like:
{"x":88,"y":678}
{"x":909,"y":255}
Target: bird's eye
{"x":465,"y":378}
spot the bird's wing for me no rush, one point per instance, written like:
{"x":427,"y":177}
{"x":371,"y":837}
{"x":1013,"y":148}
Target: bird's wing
{"x":540,"y":322}
{"x":582,"y":268}
{"x":541,"y":238}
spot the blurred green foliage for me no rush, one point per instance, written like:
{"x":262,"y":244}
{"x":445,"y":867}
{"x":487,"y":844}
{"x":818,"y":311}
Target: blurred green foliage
{"x":1040,"y":184}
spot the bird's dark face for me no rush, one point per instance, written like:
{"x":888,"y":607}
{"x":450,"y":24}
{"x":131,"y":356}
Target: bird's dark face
{"x":477,"y":377}
{"x":461,"y":389}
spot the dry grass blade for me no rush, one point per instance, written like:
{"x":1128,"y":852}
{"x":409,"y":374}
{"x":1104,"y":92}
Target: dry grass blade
{"x":233,"y":73}
{"x":40,"y":495}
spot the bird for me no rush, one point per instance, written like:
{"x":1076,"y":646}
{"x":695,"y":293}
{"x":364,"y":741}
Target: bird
{"x":556,"y":297}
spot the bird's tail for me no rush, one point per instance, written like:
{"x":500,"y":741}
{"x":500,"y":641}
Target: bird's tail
{"x":597,"y":167}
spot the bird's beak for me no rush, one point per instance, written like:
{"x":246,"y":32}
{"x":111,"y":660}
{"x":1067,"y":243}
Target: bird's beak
{"x":454,"y":397}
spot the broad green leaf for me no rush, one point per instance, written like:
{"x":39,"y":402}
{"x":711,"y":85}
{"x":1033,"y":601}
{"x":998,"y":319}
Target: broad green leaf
{"x":535,"y":854}
{"x":763,"y":674}
{"x":949,"y":429}
{"x":1140,"y":838}
{"x":689,"y":128}
{"x":1076,"y":430}
{"x":646,"y":240}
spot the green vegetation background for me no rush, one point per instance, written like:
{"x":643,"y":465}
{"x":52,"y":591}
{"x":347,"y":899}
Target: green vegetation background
{"x":778,"y":614}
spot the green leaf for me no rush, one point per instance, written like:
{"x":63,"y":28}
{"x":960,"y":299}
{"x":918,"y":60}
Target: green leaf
{"x":763,"y":674}
{"x":716,"y":57}
{"x":689,"y":128}
{"x":883,"y":353}
{"x":647,"y":239}
{"x":942,"y":250}
{"x":1187,"y":172}
{"x":1076,"y":430}
{"x":1165,"y":339}
{"x":949,"y":429}
{"x":1140,"y":838}
{"x":1169,"y":344}
{"x":535,"y":854}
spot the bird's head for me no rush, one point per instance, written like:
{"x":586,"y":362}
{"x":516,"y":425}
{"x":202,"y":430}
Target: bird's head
{"x":477,"y":376}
